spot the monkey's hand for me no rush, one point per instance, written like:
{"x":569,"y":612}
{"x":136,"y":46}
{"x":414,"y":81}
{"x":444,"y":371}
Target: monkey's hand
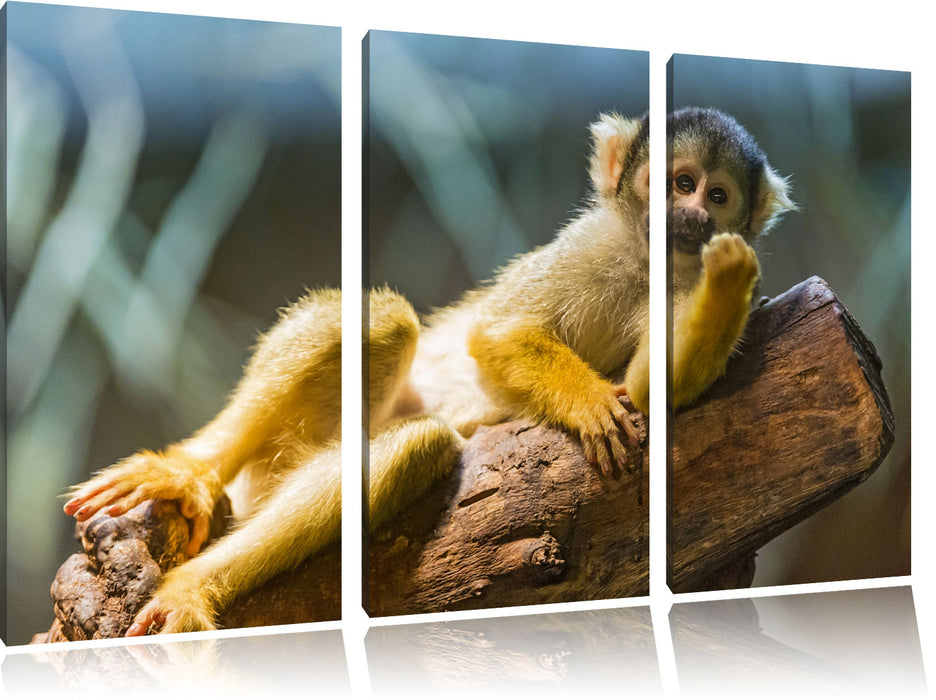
{"x":603,"y":425}
{"x":181,"y":604}
{"x":730,"y":269}
{"x":148,"y":475}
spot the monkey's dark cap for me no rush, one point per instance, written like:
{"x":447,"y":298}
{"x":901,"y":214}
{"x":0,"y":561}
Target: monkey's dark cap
{"x":723,"y":138}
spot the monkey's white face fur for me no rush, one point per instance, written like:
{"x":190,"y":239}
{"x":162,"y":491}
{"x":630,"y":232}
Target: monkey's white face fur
{"x":715,"y":196}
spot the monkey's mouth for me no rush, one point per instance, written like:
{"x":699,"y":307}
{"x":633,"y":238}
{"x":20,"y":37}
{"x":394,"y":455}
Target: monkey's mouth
{"x":687,"y":231}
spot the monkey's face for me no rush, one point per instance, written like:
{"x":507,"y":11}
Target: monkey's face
{"x":700,"y":203}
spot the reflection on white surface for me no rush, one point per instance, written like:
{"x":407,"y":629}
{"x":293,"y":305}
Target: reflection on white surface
{"x":850,"y":644}
{"x":207,"y":668}
{"x":591,"y":653}
{"x":861,"y":643}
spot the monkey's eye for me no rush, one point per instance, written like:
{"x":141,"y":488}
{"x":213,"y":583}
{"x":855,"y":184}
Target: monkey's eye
{"x":717,"y":195}
{"x":685,"y":183}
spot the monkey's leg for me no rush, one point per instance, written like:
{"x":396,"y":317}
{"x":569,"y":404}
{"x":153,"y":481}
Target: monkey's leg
{"x":708,"y":325}
{"x":411,"y":454}
{"x":547,"y":381}
{"x":290,"y":393}
{"x":406,"y":460}
{"x":301,"y":516}
{"x":389,"y":346}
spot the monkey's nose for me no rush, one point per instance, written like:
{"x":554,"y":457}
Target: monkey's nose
{"x":696,"y":205}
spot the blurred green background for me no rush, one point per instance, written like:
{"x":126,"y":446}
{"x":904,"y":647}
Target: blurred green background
{"x":844,"y":136}
{"x":171,"y":182}
{"x":477,"y":151}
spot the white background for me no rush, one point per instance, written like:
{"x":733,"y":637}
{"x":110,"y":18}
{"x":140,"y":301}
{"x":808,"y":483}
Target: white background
{"x":895,"y":35}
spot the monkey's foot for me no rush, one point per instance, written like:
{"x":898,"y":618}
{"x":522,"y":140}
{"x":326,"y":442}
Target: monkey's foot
{"x":148,"y":475}
{"x":176,"y":607}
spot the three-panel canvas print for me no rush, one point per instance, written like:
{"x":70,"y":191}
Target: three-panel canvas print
{"x":173,"y":338}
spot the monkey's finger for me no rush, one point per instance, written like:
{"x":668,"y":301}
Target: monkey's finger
{"x":633,"y":437}
{"x":71,"y":507}
{"x":620,"y":391}
{"x":588,"y":447}
{"x":604,"y":458}
{"x":189,"y":510}
{"x":623,"y":418}
{"x":617,"y":449}
{"x":93,"y":505}
{"x":88,"y":491}
{"x":125,"y":502}
{"x":199,"y":535}
{"x":111,"y":499}
{"x":149,"y":615}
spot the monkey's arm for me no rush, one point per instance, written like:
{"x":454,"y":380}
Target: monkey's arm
{"x":538,"y":373}
{"x":708,"y":324}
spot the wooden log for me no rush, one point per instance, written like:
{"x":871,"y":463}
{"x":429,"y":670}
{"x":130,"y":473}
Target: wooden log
{"x":800,"y":418}
{"x":97,"y":592}
{"x":523,"y":519}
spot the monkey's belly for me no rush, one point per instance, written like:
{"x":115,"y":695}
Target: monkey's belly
{"x":448,"y":384}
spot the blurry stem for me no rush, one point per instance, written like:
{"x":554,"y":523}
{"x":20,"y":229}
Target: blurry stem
{"x":439,"y":145}
{"x":74,"y":239}
{"x":183,"y":247}
{"x":36,"y":129}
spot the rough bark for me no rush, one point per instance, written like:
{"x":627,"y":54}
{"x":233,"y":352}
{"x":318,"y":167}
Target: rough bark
{"x":97,"y":592}
{"x":523,"y":519}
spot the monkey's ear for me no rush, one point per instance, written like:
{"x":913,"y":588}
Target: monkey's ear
{"x":773,"y":201}
{"x":612,"y":136}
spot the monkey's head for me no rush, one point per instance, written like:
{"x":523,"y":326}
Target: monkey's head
{"x":620,"y":169}
{"x":718,"y":181}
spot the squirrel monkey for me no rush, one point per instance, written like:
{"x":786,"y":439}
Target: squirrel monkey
{"x":721,"y":195}
{"x":559,"y":336}
{"x":549,"y":339}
